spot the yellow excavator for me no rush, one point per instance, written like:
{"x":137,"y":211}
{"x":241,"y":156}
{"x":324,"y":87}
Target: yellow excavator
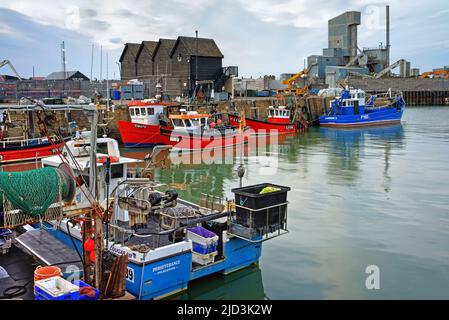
{"x":439,"y":73}
{"x":290,"y":83}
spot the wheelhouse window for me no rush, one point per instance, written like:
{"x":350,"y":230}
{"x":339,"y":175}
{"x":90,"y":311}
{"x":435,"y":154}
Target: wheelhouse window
{"x":132,"y":112}
{"x":137,"y":111}
{"x":117,"y":171}
{"x":187,"y":123}
{"x":150,"y":111}
{"x":143,"y":112}
{"x":203,"y":121}
{"x":177,"y":122}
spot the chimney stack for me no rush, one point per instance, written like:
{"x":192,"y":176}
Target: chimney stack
{"x":388,"y":34}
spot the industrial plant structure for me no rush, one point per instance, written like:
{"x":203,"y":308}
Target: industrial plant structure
{"x":343,"y":57}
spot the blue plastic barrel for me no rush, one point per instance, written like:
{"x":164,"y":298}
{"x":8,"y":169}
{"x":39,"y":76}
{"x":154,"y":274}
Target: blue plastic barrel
{"x":116,"y":95}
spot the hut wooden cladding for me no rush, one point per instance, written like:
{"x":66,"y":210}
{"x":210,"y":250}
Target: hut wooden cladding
{"x":173,"y":58}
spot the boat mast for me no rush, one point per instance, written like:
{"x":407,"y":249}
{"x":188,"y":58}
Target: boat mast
{"x":93,"y":186}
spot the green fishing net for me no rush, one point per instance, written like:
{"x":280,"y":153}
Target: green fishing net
{"x":32,"y":191}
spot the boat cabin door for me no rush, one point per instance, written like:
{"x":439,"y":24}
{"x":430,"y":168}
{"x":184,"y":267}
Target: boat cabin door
{"x":356,"y":107}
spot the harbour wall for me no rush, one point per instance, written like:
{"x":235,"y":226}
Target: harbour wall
{"x":312,"y":108}
{"x":416,"y":91}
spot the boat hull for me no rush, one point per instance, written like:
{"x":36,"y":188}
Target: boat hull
{"x":389,"y":116}
{"x":264,"y":127}
{"x":170,"y":270}
{"x":136,"y":135}
{"x":27,"y":153}
{"x":182,"y":140}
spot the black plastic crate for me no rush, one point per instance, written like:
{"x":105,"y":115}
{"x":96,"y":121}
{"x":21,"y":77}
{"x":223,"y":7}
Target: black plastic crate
{"x":249,"y":201}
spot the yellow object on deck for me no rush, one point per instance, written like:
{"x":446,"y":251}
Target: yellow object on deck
{"x":269,"y":190}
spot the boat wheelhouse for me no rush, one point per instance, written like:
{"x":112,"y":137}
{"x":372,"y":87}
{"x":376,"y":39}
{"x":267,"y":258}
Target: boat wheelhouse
{"x":280,"y":114}
{"x":277,"y":121}
{"x":146,"y":120}
{"x":191,"y":121}
{"x":154,"y":123}
{"x":193,"y":131}
{"x":352,"y":109}
{"x":77,"y":152}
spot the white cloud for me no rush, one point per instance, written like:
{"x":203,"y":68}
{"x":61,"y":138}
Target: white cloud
{"x":131,"y":21}
{"x":261,"y":36}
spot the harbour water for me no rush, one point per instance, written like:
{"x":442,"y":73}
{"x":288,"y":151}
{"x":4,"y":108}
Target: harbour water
{"x":377,"y":196}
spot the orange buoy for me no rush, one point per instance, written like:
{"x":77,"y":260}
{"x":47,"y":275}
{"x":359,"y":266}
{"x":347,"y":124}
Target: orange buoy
{"x":42,"y":273}
{"x":102,"y":159}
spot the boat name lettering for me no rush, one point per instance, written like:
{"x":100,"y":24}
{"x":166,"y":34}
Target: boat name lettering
{"x":131,"y":255}
{"x":167,"y":267}
{"x":139,"y":126}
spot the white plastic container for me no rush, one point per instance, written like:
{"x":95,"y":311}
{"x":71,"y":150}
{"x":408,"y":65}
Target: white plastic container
{"x":210,"y":240}
{"x":56,"y":287}
{"x":204,"y":259}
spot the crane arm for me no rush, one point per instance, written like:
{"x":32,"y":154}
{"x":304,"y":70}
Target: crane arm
{"x":5,"y":62}
{"x":289,"y":82}
{"x":388,"y":69}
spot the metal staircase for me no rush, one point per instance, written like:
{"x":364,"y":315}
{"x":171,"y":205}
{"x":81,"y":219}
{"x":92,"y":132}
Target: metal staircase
{"x":223,"y":75}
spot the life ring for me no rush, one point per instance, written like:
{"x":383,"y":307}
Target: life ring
{"x":102,"y":159}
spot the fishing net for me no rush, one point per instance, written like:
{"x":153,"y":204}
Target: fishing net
{"x":32,"y":192}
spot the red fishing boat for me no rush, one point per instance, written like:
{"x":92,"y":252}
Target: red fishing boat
{"x":28,"y":149}
{"x":278,"y":121}
{"x":155,"y":123}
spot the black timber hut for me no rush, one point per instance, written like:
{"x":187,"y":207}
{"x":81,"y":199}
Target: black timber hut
{"x":144,"y":59}
{"x":128,"y":67}
{"x":173,"y":64}
{"x":184,"y":60}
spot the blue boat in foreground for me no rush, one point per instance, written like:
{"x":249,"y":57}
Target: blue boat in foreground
{"x":350,"y":110}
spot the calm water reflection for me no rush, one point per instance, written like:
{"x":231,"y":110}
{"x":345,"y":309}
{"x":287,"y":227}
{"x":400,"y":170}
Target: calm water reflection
{"x":377,"y":196}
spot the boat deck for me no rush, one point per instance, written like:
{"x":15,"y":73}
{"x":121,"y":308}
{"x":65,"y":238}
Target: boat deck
{"x":183,"y":211}
{"x":19,"y":267}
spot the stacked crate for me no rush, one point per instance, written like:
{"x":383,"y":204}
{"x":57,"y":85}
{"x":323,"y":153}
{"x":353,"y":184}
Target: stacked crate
{"x":204,"y":244}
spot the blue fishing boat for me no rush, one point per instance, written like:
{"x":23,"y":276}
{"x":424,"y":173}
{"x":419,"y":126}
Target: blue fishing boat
{"x":162,"y":242}
{"x":351,"y":110}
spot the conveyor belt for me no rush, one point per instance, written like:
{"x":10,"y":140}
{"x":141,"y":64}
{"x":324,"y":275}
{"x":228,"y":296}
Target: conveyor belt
{"x":48,"y":249}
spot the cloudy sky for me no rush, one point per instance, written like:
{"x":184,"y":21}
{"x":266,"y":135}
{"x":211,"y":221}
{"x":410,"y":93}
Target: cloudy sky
{"x":261,"y":37}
